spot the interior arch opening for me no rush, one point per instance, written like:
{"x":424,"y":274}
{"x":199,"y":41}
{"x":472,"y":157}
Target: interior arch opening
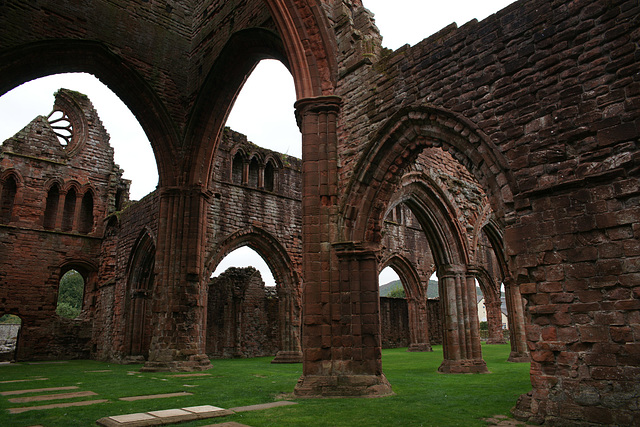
{"x":70,"y":295}
{"x":243,"y":307}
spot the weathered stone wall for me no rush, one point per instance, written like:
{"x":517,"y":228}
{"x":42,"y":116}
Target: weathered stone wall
{"x":242,"y":315}
{"x":552,"y":88}
{"x":55,"y":223}
{"x":112,"y":332}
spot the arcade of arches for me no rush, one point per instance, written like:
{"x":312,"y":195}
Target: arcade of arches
{"x":506,"y":150}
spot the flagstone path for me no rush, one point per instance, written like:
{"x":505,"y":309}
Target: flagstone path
{"x":37,"y":390}
{"x":52,"y":397}
{"x":156,"y":396}
{"x":55,"y":405}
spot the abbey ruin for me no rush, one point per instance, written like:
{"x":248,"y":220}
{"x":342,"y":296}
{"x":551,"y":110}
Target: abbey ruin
{"x":503,"y":151}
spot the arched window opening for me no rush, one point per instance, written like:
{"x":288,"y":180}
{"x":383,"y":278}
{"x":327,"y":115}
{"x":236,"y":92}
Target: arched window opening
{"x":70,"y":295}
{"x":69,"y":210}
{"x":86,"y":214}
{"x":9,"y":190}
{"x":51,"y":208}
{"x":390,"y":284}
{"x":237,"y":169}
{"x":254,"y":173}
{"x":269,"y":176}
{"x":9,"y":331}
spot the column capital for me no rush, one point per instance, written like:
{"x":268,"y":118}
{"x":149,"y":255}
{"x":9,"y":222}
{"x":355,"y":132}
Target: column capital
{"x":172,"y":190}
{"x":356,"y":249}
{"x":329,"y":103}
{"x":449,"y":270}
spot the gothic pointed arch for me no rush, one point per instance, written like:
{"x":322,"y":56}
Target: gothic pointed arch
{"x":85,"y":217}
{"x":462,"y":352}
{"x":396,"y":146}
{"x":288,"y":285}
{"x":9,"y":184}
{"x":52,"y":205}
{"x":237,"y":60}
{"x":139,"y":289}
{"x":407,"y":273}
{"x":267,"y":246}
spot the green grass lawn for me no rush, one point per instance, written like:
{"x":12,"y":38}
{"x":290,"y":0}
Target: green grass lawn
{"x":422,"y":395}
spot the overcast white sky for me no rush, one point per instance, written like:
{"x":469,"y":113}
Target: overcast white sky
{"x":263,"y":110}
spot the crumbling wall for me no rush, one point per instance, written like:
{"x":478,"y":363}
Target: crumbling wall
{"x":242,"y":315}
{"x":65,"y":189}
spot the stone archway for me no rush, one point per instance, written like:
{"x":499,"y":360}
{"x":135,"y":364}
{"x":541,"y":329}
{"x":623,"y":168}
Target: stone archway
{"x":139,"y":289}
{"x":416,"y":301}
{"x":288,"y":285}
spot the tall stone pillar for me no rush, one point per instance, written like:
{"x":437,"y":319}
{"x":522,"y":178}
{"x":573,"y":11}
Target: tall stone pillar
{"x":180,"y":293}
{"x":517,"y":332}
{"x":289,"y":328}
{"x":461,"y":335}
{"x":418,"y":327}
{"x":341,"y":324}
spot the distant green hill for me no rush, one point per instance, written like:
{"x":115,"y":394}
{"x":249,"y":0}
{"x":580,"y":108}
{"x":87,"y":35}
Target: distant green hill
{"x":385,"y":289}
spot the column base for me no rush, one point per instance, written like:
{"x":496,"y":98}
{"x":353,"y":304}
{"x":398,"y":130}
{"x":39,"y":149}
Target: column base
{"x":132,"y":360}
{"x":420,"y":347}
{"x":516,"y":357}
{"x":496,"y":341}
{"x":199,"y":362}
{"x":343,"y":386}
{"x":464,"y":366}
{"x":288,"y":357}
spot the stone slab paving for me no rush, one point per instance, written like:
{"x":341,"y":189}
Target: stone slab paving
{"x":156,"y":396}
{"x":37,"y":390}
{"x":172,"y":416}
{"x":55,"y":405}
{"x":23,"y":381}
{"x":52,"y":397}
{"x":164,"y":417}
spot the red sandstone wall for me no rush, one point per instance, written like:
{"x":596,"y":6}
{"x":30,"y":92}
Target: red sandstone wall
{"x":34,"y":258}
{"x":242,"y":316}
{"x":554,"y":86}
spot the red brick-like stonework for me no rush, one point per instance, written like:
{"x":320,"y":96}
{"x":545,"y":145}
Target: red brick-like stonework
{"x":538,"y":102}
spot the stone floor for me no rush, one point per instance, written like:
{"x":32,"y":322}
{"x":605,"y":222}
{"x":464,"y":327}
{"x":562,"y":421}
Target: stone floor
{"x":172,"y":416}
